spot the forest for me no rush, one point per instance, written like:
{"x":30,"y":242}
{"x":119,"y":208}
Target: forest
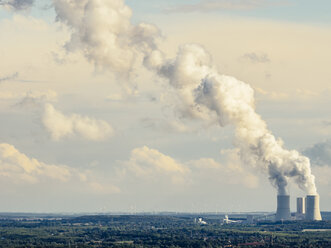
{"x":174,"y":230}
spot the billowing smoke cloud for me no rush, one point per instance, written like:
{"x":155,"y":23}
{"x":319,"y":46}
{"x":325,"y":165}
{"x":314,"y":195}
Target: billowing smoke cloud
{"x":61,"y":126}
{"x":102,"y":30}
{"x":17,"y":4}
{"x":205,"y":92}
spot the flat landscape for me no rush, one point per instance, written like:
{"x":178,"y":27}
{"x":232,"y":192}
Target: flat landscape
{"x":162,"y":230}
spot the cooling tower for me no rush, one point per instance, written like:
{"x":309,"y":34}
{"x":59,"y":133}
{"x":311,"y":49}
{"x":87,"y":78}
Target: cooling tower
{"x":313,"y":208}
{"x":283,"y":207}
{"x":301,"y":205}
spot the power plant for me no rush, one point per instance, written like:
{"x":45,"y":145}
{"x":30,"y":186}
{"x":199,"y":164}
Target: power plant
{"x":307,"y":208}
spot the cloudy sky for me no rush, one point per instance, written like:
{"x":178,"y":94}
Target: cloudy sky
{"x":99,"y":111}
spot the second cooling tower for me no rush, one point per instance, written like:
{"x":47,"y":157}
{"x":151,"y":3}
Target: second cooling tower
{"x":301,"y":205}
{"x":283,"y":207}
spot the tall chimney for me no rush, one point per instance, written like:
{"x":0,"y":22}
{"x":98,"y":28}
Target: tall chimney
{"x":301,"y":209}
{"x":313,"y":208}
{"x":283,"y":207}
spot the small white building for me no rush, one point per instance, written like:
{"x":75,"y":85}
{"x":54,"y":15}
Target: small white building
{"x":201,"y":221}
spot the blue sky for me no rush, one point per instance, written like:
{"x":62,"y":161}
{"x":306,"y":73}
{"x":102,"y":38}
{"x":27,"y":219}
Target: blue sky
{"x":306,"y":11}
{"x":303,"y":11}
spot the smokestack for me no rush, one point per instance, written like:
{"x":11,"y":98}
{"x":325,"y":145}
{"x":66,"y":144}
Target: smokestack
{"x":283,"y":207}
{"x":301,"y":209}
{"x":313,"y":208}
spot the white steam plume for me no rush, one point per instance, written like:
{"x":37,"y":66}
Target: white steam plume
{"x":206,"y":92}
{"x":102,"y":30}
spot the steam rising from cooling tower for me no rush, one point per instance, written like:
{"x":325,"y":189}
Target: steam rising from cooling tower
{"x":207,"y":94}
{"x":103,"y":32}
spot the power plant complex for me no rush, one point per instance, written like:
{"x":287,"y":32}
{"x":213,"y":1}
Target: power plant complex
{"x":307,"y":208}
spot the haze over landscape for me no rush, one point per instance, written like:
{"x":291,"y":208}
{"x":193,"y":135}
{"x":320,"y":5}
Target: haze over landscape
{"x":138,"y":106}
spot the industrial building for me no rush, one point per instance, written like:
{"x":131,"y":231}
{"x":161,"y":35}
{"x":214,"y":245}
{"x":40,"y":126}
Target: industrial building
{"x":307,"y":208}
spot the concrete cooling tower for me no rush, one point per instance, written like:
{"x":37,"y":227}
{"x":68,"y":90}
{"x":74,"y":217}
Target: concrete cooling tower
{"x":283,"y":207}
{"x":313,"y":208}
{"x":301,"y":205}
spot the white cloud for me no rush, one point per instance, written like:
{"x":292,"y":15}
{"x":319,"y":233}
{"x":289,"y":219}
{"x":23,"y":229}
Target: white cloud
{"x":154,"y":167}
{"x":61,"y":126}
{"x":155,"y":158}
{"x":147,"y":158}
{"x":150,"y":163}
{"x":18,"y":167}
